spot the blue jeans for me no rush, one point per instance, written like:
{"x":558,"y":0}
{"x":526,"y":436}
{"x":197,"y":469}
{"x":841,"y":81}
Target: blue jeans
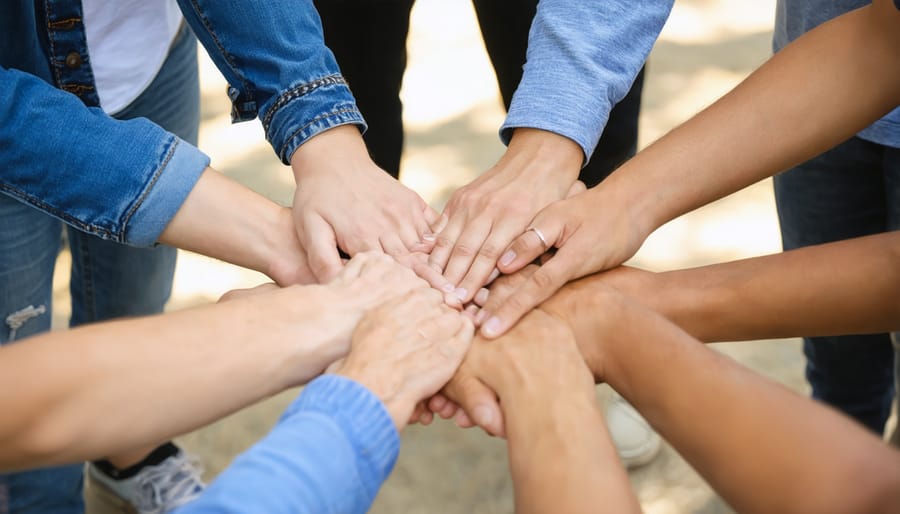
{"x":850,"y":191}
{"x":108,"y":280}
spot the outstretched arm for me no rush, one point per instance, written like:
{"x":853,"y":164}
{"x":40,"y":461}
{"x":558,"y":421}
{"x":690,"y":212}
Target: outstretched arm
{"x":78,"y":392}
{"x":338,"y":441}
{"x":836,"y":79}
{"x":560,"y":453}
{"x":848,"y":287}
{"x":761,"y":446}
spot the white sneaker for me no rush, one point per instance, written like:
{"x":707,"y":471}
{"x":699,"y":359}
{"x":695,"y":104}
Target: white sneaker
{"x":153,"y":490}
{"x":635,"y":440}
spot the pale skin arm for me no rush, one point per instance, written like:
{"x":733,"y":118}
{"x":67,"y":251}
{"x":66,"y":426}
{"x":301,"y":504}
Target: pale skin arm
{"x":78,"y":392}
{"x":762,"y":447}
{"x":228,"y":221}
{"x":815,"y":93}
{"x":344,"y":201}
{"x":560,"y":453}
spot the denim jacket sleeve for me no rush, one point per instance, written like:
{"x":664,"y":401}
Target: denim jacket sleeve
{"x":120,"y":180}
{"x":330,"y":452}
{"x":582,"y":58}
{"x":274,"y":57}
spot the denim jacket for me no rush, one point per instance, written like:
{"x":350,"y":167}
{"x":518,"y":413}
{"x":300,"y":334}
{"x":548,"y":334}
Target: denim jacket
{"x":124,"y":180}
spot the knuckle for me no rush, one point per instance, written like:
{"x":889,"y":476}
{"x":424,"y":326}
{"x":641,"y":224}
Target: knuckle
{"x":543,"y":280}
{"x":464,"y":250}
{"x":443,"y":242}
{"x":490,"y":250}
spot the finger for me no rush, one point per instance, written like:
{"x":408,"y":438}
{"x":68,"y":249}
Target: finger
{"x":439,"y":223}
{"x":435,"y":279}
{"x":479,"y":403}
{"x":471,"y":311}
{"x":545,"y":281}
{"x":462,"y":419}
{"x":444,"y":243}
{"x":485,"y":262}
{"x":528,"y":247}
{"x":321,"y":248}
{"x":437,"y":402}
{"x":353,"y":268}
{"x":392,"y":245}
{"x":426,"y":418}
{"x":448,"y":411}
{"x":442,"y":327}
{"x":481,"y":297}
{"x":493,"y":276}
{"x":426,"y":223}
{"x":234,"y":294}
{"x":465,"y":251}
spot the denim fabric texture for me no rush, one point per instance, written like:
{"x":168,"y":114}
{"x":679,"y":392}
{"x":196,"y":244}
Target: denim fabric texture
{"x":124,"y":181}
{"x":108,"y":279}
{"x":582,"y":60}
{"x":852,"y":190}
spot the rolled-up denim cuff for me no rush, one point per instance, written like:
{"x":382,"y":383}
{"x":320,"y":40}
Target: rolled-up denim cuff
{"x":167,"y":190}
{"x":308,"y":109}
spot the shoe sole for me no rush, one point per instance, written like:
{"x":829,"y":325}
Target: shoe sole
{"x":99,"y":499}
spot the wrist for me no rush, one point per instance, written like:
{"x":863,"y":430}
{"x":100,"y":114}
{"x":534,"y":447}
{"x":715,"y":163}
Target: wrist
{"x":330,"y":151}
{"x":546,"y":152}
{"x":284,"y":256}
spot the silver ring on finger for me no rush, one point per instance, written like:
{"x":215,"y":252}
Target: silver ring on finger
{"x":540,"y":235}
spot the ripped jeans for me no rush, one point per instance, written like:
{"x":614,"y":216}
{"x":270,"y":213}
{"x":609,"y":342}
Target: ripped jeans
{"x":108,"y":280}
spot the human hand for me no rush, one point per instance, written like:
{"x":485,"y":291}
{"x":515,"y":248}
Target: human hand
{"x":519,"y":374}
{"x":343,"y":200}
{"x":406,"y":350}
{"x":259,"y":236}
{"x":591,"y":232}
{"x":484,"y":217}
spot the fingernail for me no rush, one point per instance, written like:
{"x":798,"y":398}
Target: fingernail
{"x":461,"y":293}
{"x":494,"y":275}
{"x":507,"y":258}
{"x":480,"y":316}
{"x":429,"y":237}
{"x":483,"y":415}
{"x":482,"y":295}
{"x":491,"y":327}
{"x":447,"y":288}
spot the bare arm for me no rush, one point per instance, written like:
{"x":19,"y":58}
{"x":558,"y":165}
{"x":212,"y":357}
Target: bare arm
{"x":228,"y":221}
{"x":178,"y":371}
{"x":821,"y":89}
{"x":848,"y":287}
{"x":561,"y":456}
{"x":761,"y":446}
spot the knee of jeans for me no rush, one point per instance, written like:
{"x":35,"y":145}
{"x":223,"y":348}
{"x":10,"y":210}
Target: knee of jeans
{"x":26,"y":321}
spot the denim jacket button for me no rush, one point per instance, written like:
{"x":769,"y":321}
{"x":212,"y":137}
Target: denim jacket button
{"x":74,"y":60}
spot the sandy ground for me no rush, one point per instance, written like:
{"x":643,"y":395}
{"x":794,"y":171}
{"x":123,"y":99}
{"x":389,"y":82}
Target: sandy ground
{"x":452,"y":110}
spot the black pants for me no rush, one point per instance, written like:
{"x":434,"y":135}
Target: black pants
{"x":368,"y":38}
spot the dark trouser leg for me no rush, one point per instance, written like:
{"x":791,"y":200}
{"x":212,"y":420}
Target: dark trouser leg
{"x":841,"y":194}
{"x":504,"y":26}
{"x":368,"y":38}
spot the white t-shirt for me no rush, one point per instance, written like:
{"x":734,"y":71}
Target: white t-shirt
{"x":128,"y":41}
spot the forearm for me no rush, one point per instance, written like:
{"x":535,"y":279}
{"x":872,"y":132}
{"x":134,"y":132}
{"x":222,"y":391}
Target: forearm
{"x":817,"y":92}
{"x":743,"y":433}
{"x":79,"y":391}
{"x":582,"y":59}
{"x":847,"y":287}
{"x":225,"y":220}
{"x":561,"y":456}
{"x":330,"y":452}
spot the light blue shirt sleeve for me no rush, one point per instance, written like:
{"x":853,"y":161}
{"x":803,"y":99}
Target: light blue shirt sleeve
{"x":329,"y":454}
{"x":583,"y":56}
